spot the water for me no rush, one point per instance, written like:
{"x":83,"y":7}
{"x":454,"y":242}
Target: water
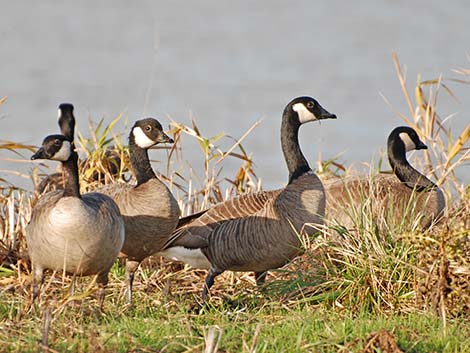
{"x":228,"y":65}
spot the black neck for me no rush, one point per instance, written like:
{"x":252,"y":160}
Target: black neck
{"x":296,"y":162}
{"x":405,"y":172}
{"x":70,"y":167}
{"x":67,"y":126}
{"x":140,"y":162}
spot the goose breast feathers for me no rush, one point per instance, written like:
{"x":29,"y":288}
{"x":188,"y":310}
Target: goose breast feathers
{"x":150,"y":214}
{"x":73,"y":233}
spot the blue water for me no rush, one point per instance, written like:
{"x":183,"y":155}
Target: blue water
{"x":227,"y":65}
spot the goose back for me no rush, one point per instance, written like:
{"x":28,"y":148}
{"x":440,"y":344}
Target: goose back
{"x":194,"y":231}
{"x":382,"y":196}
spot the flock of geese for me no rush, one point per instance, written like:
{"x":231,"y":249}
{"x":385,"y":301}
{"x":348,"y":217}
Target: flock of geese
{"x":82,"y":234}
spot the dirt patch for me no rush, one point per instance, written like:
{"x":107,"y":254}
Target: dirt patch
{"x":383,"y":340}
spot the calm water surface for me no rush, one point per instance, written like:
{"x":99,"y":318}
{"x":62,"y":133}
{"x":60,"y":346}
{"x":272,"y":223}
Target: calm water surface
{"x":228,"y":64}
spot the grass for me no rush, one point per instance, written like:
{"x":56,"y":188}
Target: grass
{"x":384,"y":286}
{"x":258,"y":324}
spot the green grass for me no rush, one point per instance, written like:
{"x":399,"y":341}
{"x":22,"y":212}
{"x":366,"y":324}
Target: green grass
{"x":257,"y":323}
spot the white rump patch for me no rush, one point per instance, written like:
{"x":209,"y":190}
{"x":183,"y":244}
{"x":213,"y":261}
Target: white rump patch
{"x":64,"y":153}
{"x":409,"y":144}
{"x":141,"y":139}
{"x":193,"y":257}
{"x":305,"y":115}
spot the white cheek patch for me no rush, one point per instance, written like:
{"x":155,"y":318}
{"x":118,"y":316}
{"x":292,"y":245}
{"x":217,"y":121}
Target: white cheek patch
{"x":141,"y":139}
{"x":59,"y":113}
{"x":64,"y":153}
{"x":409,"y":144}
{"x":305,"y":115}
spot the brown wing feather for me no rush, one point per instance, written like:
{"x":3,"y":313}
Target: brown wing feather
{"x":185,"y":220}
{"x":193,"y":230}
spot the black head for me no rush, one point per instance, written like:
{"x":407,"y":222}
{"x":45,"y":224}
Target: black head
{"x":66,"y":120}
{"x":405,"y":138}
{"x":148,"y":132}
{"x":54,"y":147}
{"x":306,"y":109}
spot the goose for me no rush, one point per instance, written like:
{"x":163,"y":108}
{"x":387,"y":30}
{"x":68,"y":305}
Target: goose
{"x":258,"y":231}
{"x":149,"y":209}
{"x":78,"y":234}
{"x":409,"y":192}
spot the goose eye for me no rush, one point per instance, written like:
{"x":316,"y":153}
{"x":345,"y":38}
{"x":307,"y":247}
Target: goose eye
{"x":57,"y":142}
{"x":148,"y":128}
{"x":310,"y":105}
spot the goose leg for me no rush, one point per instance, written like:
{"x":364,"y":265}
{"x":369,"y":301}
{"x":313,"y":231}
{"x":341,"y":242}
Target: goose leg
{"x":131,"y":267}
{"x":260,"y":278}
{"x":102,"y":281}
{"x":38,"y":275}
{"x":73,"y":286}
{"x":213,"y":272}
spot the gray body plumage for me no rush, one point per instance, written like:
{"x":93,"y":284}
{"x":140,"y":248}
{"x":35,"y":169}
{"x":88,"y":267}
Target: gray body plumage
{"x":82,"y":236}
{"x":268,"y":236}
{"x":150,"y":214}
